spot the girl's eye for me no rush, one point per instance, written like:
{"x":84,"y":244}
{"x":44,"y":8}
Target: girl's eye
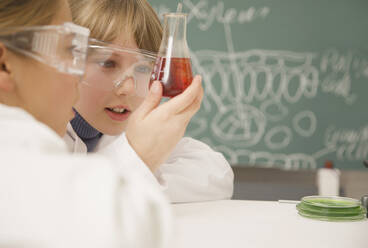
{"x":107,"y":64}
{"x":143,"y":69}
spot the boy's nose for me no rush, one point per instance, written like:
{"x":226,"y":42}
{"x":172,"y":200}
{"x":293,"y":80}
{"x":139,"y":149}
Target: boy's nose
{"x":125,"y":86}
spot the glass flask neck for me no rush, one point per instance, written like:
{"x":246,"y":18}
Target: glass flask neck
{"x":175,"y":25}
{"x":174,"y":42}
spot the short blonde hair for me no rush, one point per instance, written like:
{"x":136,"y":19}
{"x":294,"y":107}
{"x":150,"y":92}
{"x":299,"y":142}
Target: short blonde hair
{"x":108,"y":19}
{"x":21,"y":13}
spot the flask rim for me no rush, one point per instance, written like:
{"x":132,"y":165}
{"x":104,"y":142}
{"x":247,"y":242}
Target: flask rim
{"x":176,"y":14}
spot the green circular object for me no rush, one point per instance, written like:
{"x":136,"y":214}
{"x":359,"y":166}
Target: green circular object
{"x":330,"y":212}
{"x":331,"y":201}
{"x":331,"y":208}
{"x":332,"y":218}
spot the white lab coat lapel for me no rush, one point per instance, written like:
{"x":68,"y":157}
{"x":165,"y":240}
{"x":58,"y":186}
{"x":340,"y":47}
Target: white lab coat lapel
{"x":76,"y":145}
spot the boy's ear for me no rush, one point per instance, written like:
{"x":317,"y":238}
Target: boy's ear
{"x":6,"y":81}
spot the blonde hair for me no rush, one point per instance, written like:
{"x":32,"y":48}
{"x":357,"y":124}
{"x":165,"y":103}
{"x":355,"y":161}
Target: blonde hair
{"x":21,"y":13}
{"x":108,"y":19}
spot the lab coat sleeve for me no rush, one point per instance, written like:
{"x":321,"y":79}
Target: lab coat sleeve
{"x":123,"y":154}
{"x":55,"y":202}
{"x":140,"y":212}
{"x":195,"y":172}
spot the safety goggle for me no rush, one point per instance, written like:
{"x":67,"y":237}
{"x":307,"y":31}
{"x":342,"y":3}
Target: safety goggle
{"x":108,"y":66}
{"x":63,"y":47}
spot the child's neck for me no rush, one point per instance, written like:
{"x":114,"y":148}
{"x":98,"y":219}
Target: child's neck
{"x":88,"y":134}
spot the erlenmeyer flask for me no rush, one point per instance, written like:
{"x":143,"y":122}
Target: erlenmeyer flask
{"x":173,"y":66}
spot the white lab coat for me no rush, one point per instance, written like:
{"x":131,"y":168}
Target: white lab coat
{"x":193,"y":172}
{"x":50,"y":198}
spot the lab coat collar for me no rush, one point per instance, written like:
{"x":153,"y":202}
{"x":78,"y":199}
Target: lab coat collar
{"x":20,"y":130}
{"x":76,"y":145}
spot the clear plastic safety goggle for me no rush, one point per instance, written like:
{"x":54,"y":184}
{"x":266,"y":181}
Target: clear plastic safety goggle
{"x":109,"y":66}
{"x":63,"y":47}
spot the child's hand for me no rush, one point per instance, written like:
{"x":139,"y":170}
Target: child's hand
{"x":153,"y":131}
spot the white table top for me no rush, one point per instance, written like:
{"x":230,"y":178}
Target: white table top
{"x":254,"y":224}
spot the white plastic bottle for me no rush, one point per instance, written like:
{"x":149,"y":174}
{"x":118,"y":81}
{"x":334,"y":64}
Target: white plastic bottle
{"x":328,"y":180}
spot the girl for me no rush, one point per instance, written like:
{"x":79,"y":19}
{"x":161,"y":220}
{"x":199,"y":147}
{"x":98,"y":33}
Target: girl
{"x":116,"y":86}
{"x":48,"y":197}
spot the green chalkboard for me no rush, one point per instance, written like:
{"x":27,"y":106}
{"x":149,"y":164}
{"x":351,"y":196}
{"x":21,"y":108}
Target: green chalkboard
{"x":285,"y":80}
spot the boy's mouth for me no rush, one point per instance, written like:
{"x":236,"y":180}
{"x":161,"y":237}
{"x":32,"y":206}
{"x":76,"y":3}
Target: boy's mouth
{"x":118,"y":110}
{"x":118,"y":113}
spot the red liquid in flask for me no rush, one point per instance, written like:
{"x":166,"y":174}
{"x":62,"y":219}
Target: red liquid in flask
{"x":179,"y":78}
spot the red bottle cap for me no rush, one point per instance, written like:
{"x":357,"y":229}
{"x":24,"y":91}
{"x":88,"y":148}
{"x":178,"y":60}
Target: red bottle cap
{"x":328,"y":164}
